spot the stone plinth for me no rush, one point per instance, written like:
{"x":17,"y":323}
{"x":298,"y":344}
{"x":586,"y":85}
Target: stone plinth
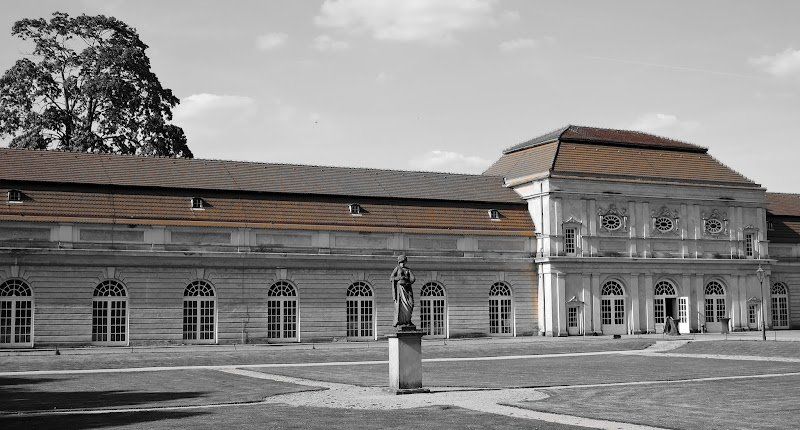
{"x":405,"y":362}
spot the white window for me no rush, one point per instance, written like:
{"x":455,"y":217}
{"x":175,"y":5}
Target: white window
{"x":199,"y":313}
{"x":360,"y":311}
{"x":612,"y":306}
{"x":16,"y":313}
{"x":282,"y":311}
{"x":569,"y":240}
{"x":748,"y":244}
{"x":752,"y":314}
{"x":501,"y":312}
{"x":494,"y":214}
{"x":110,"y":313}
{"x":14,"y":196}
{"x":611,"y":222}
{"x":572,"y":317}
{"x":356,"y":209}
{"x":198,"y":203}
{"x":713,"y":226}
{"x":433,"y":309}
{"x":664,"y":224}
{"x":714,"y":301}
{"x":780,"y":305}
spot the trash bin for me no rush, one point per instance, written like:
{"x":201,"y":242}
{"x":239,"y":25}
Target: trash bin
{"x":724,"y":325}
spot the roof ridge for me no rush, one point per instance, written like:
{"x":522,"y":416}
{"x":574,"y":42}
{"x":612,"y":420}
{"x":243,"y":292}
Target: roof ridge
{"x":220,"y":160}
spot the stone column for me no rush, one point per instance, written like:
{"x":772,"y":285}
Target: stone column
{"x":648,"y":313}
{"x":586,"y":297}
{"x":633,"y":295}
{"x":596,"y":304}
{"x":698,"y":310}
{"x":560,"y":323}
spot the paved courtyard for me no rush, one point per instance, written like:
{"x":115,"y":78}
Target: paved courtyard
{"x":638,"y":382}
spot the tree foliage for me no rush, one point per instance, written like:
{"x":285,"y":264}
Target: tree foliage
{"x":87,"y":86}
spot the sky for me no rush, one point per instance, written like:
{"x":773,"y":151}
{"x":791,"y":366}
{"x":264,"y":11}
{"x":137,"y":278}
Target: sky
{"x":445,"y":85}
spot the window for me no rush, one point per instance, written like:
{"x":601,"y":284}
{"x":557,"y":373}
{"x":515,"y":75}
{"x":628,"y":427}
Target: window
{"x":664,"y":224}
{"x":501,"y":317}
{"x":714,"y":301}
{"x":199,"y":312}
{"x":713,"y":226}
{"x":360,"y":315}
{"x":569,"y":240}
{"x":282,"y":311}
{"x":433,"y":309}
{"x":663,"y":289}
{"x":611,"y":222}
{"x":356,"y":209}
{"x":572,"y":317}
{"x":14,"y":196}
{"x":748,"y":244}
{"x":109,"y":313}
{"x":198,"y":203}
{"x":494,"y":214}
{"x":752,"y":314}
{"x":612,"y":304}
{"x":780,"y":305}
{"x":16,"y":313}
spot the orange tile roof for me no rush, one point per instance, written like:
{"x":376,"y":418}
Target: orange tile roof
{"x":619,"y":154}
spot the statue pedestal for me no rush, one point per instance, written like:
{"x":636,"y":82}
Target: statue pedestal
{"x":405,"y":362}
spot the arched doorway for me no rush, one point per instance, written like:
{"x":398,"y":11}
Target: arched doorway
{"x":715,"y":305}
{"x":433,"y":309}
{"x":282,"y":312}
{"x":612,"y":308}
{"x":199,"y":313}
{"x":16,"y":313}
{"x":501,"y":310}
{"x":110,"y":313}
{"x":360,"y":312}
{"x":779,"y":294}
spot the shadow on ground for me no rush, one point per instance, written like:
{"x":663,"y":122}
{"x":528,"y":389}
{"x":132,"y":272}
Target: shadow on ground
{"x":92,"y":421}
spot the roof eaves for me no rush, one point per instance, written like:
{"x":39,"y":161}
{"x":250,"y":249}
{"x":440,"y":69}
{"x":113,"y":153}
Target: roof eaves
{"x":553,"y":136}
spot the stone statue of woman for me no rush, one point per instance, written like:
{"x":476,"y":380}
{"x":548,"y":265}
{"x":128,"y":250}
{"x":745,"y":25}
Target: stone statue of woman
{"x":402,"y":278}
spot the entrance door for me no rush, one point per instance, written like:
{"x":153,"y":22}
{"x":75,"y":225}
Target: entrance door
{"x":612,"y":316}
{"x":752,"y":316}
{"x":574,"y":320}
{"x":683,"y":314}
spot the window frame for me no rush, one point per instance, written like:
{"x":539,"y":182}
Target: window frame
{"x":197,"y":300}
{"x":497,"y":304}
{"x":357,"y":303}
{"x":109,"y":301}
{"x":282,"y":300}
{"x":15,"y":196}
{"x":13,"y":301}
{"x":429,"y":309}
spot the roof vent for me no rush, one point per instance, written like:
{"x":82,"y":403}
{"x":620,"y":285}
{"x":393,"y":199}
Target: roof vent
{"x":356,"y":209}
{"x":14,"y":196}
{"x":198,"y":204}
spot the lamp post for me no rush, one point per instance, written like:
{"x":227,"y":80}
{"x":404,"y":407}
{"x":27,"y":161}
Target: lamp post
{"x":760,"y":276}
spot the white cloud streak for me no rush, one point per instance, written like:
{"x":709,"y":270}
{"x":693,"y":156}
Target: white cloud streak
{"x":661,"y":123}
{"x":448,"y":161}
{"x":325,"y":43}
{"x":434,"y":21}
{"x":521,"y":44}
{"x":783,"y":64}
{"x":270,"y":41}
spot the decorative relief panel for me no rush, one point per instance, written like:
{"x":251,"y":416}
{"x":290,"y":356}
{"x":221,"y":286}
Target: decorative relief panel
{"x":715,"y":223}
{"x":613,"y":219}
{"x":665,"y":221}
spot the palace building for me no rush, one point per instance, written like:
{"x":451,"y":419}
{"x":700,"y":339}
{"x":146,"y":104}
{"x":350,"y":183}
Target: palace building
{"x":580,"y":231}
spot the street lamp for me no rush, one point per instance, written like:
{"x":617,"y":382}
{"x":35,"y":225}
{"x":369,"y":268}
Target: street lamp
{"x":760,"y":276}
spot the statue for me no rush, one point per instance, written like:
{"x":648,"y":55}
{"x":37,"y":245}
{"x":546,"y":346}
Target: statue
{"x":402,"y":278}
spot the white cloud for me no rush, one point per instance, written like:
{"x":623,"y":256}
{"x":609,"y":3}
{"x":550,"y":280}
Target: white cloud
{"x":520,"y":44}
{"x":205,"y":105}
{"x":661,"y":122}
{"x":325,"y":43}
{"x":433,"y":21}
{"x":782,"y":64}
{"x":270,"y":41}
{"x":384,"y":77}
{"x":448,"y":161}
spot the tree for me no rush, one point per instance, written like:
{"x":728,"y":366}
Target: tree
{"x":87,"y":86}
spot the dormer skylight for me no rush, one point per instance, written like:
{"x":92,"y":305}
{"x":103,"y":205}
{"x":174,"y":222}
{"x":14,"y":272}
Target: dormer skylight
{"x":198,"y":203}
{"x":14,"y":196}
{"x":356,"y":209}
{"x":494,"y":214}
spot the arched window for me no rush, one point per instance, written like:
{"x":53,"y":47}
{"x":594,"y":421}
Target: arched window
{"x":612,"y":308}
{"x":199,"y":312}
{"x":714,"y":301}
{"x":16,"y":313}
{"x":663,"y":290}
{"x":282,"y":311}
{"x":360,"y":315}
{"x":501,"y":311}
{"x":779,"y":294}
{"x":433,"y":309}
{"x":110,"y":313}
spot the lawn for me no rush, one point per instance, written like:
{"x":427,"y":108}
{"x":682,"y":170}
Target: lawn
{"x":754,"y":347}
{"x":542,"y":372}
{"x":733,"y":404}
{"x":141,"y":389}
{"x":368,"y":351}
{"x":285,"y":417}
